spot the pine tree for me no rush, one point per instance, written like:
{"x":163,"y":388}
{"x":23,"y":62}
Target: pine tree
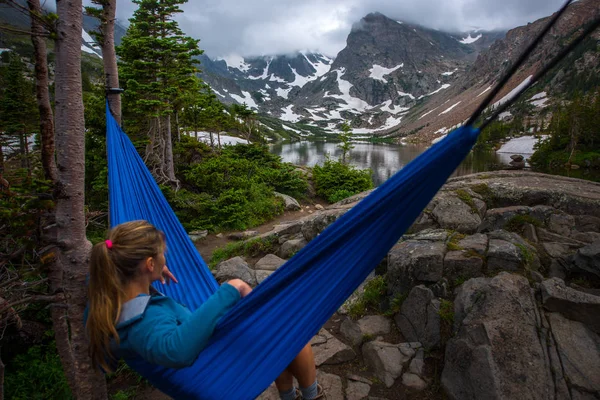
{"x":157,"y":70}
{"x":345,"y":137}
{"x":17,"y":105}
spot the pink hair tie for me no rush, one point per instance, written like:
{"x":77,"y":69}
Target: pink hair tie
{"x":108,"y":244}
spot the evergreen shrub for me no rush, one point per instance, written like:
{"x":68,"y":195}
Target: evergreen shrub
{"x":336,"y":181}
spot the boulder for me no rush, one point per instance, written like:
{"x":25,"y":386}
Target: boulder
{"x":291,"y":247}
{"x":460,"y":264}
{"x":371,"y":326}
{"x":587,"y":223}
{"x":315,"y":224}
{"x":413,"y":381}
{"x":423,"y":221}
{"x":329,"y":350}
{"x":357,"y":390}
{"x":497,"y":218}
{"x":517,"y":157}
{"x":571,"y":303}
{"x":242,"y":235}
{"x":261,"y":275}
{"x":197,"y":235}
{"x":417,"y":365}
{"x":270,"y":262}
{"x":290,"y":203}
{"x":332,"y":385}
{"x":419,"y":319}
{"x":587,"y":259}
{"x":385,"y":359}
{"x":477,"y":243}
{"x":503,"y":256}
{"x":496,"y":352}
{"x":561,"y":223}
{"x":450,"y":212}
{"x":414,"y":261}
{"x":579,"y":352}
{"x":235,"y":268}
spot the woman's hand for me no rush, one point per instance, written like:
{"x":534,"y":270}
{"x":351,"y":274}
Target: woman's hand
{"x":167,"y":276}
{"x":241,"y":286}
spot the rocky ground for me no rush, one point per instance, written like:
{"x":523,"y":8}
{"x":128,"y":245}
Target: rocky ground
{"x":493,"y":294}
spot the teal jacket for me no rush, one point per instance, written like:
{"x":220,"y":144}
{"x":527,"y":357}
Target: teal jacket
{"x":162,"y":331}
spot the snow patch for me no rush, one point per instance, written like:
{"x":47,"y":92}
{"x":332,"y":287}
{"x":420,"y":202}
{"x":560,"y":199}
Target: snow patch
{"x":402,"y":94}
{"x":386,"y":106}
{"x":449,"y":109}
{"x":204,"y":136}
{"x":428,"y":112}
{"x":444,"y":86}
{"x":264,"y":75}
{"x":90,"y":45}
{"x":288,"y":114}
{"x":513,"y":92}
{"x":539,"y":99}
{"x":217,"y":93}
{"x":486,"y":90}
{"x":247,"y":98}
{"x":321,"y":67}
{"x":470,"y":39}
{"x":352,"y":103}
{"x":274,"y":78}
{"x":287,"y":128}
{"x":235,"y":61}
{"x":439,"y":139}
{"x":283,"y":92}
{"x":378,"y":72}
{"x":449,"y":72}
{"x":521,"y":145}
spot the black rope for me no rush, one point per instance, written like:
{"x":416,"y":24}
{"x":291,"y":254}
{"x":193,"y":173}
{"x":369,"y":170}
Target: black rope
{"x":562,"y":54}
{"x":517,"y":64}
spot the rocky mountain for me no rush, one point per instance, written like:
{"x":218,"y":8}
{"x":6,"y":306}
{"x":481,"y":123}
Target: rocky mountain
{"x":452,"y":107}
{"x":387,"y":67}
{"x":396,"y":79}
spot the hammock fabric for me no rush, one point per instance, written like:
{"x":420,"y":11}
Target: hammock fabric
{"x":256,"y":340}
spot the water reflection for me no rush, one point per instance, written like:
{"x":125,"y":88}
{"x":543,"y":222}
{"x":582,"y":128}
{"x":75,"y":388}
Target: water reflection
{"x":383,"y":159}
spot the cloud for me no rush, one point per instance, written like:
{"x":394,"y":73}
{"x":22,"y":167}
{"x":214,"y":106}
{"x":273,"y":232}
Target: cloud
{"x":264,"y":27}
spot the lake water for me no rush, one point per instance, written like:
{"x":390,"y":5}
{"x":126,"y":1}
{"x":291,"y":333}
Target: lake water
{"x":383,"y":159}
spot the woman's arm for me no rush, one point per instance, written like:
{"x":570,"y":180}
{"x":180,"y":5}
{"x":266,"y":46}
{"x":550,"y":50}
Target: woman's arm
{"x":162,"y":339}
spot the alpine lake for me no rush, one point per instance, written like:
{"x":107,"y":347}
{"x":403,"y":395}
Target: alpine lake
{"x":384,"y":159}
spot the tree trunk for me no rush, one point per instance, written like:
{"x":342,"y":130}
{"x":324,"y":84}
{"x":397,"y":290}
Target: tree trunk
{"x":169,"y":165}
{"x":109,"y":56}
{"x":177,"y":126}
{"x":219,"y":139}
{"x":1,"y":378}
{"x":73,"y":246}
{"x":22,"y":154}
{"x":1,"y":158}
{"x":41,"y":91}
{"x":27,"y":161}
{"x":212,"y":140}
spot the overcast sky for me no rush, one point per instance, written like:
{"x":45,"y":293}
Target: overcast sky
{"x":264,"y":27}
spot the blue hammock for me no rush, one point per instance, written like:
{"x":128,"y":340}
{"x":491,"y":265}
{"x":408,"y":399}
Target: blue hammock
{"x":256,"y":340}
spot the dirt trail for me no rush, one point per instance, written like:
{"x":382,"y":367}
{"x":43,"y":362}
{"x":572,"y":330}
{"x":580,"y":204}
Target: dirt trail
{"x":209,"y":244}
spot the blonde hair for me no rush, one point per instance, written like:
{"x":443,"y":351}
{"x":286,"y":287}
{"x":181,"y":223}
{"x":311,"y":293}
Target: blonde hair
{"x":113,"y":264}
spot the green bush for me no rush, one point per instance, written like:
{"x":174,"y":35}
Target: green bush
{"x":336,"y":181}
{"x":37,"y":375}
{"x":232,"y":189}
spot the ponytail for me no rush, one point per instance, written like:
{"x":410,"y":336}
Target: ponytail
{"x":106,"y":298}
{"x":113,"y":264}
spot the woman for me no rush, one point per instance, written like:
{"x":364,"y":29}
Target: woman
{"x":122,"y":269}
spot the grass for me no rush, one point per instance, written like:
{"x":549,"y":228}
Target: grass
{"x":452,"y":244}
{"x":446,"y":311}
{"x":371,"y":298}
{"x":467,"y":199}
{"x":249,"y":248}
{"x":395,"y":305}
{"x":484,"y":190}
{"x":459,"y":281}
{"x":526,"y":254}
{"x":516,"y":223}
